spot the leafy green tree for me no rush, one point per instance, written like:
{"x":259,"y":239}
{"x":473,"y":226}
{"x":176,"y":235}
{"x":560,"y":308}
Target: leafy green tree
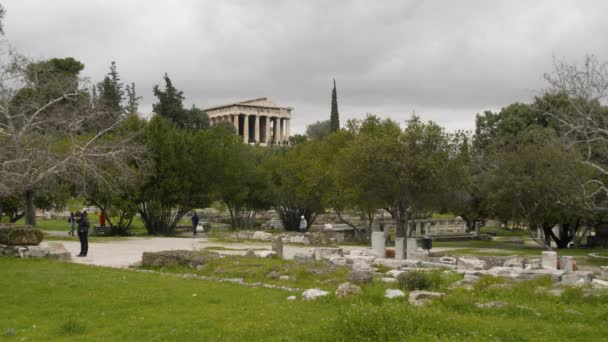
{"x":297,"y":139}
{"x":197,"y":118}
{"x":170,"y":106}
{"x":242,"y":182}
{"x":318,"y":130}
{"x":538,"y":182}
{"x":170,"y":103}
{"x":399,"y":170}
{"x":184,"y":171}
{"x":111,"y":93}
{"x":335,"y":116}
{"x":300,"y":178}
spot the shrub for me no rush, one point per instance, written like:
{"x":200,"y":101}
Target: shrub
{"x":20,"y":236}
{"x":416,"y":280}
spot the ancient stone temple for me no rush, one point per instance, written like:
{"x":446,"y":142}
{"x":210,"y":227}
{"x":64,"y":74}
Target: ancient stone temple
{"x":257,"y":121}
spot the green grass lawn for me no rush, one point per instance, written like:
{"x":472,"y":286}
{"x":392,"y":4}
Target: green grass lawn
{"x":45,"y":300}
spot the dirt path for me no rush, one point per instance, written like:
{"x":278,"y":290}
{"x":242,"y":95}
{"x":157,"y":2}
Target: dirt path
{"x":122,"y":253}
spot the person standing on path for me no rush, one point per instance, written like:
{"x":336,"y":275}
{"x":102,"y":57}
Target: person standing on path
{"x":83,"y":233}
{"x":303,"y":224}
{"x":102,"y":219}
{"x":194,"y":222}
{"x":72,"y":223}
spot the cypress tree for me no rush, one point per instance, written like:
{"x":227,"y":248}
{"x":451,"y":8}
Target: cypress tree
{"x":334,"y":124}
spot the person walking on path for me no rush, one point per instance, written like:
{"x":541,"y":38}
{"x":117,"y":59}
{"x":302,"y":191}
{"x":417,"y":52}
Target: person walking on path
{"x":83,"y":233}
{"x":194,"y":222}
{"x":72,"y":223}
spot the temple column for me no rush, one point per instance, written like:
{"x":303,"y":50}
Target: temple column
{"x":282,"y":130}
{"x":287,"y":123}
{"x":275,"y":129}
{"x":267,"y":136}
{"x":256,"y":129}
{"x":246,"y":129}
{"x":235,"y":122}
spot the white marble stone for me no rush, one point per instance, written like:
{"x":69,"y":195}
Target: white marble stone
{"x":378,"y":244}
{"x":400,"y":248}
{"x":549,"y":260}
{"x":567,"y":264}
{"x":393,"y":294}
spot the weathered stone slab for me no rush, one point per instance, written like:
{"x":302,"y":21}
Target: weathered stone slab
{"x":313,"y":294}
{"x":277,"y":246}
{"x":378,"y":244}
{"x":260,"y":235}
{"x":326,"y":252}
{"x":58,"y":251}
{"x":549,"y":260}
{"x":469,"y":263}
{"x":392,"y":263}
{"x":347,"y":290}
{"x":423,"y":297}
{"x":389,"y":293}
{"x":176,"y":257}
{"x":567,"y":264}
{"x":400,"y":248}
{"x":411,"y":247}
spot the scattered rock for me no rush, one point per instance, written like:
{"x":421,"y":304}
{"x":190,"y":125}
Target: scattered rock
{"x":388,"y":280}
{"x":577,"y":278}
{"x":313,"y":294}
{"x":291,"y":298}
{"x":392,"y":263}
{"x":273,"y":275}
{"x":358,"y":252}
{"x":177,"y":257}
{"x":469,"y":278}
{"x":514,"y":261}
{"x":491,"y":305}
{"x":420,"y":297}
{"x":339,"y":261}
{"x":468,"y":263}
{"x":361,"y":277}
{"x":303,"y":256}
{"x":347,"y":290}
{"x":599,"y":283}
{"x":58,"y":252}
{"x":394,"y":273}
{"x":260,"y":235}
{"x":284,"y":277}
{"x":277,"y":245}
{"x":393,"y":294}
{"x":265,"y":254}
{"x":37,"y":251}
{"x":250,"y":253}
{"x":326,"y":252}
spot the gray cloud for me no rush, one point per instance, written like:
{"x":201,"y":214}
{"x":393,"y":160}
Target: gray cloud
{"x":444,"y":60}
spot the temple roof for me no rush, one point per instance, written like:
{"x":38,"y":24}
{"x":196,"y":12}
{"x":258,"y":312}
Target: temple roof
{"x":261,"y":102}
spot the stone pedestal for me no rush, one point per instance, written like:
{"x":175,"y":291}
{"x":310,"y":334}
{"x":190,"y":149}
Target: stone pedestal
{"x":549,"y":260}
{"x":566,"y":264}
{"x":277,"y":245}
{"x":412,"y":247}
{"x":400,"y":248}
{"x":378,"y":244}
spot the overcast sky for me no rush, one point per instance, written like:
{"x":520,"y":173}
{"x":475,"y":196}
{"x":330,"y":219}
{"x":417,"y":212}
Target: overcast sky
{"x":445,"y":60}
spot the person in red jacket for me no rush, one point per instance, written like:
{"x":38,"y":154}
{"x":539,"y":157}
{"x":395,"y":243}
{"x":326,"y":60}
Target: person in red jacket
{"x":102,"y":219}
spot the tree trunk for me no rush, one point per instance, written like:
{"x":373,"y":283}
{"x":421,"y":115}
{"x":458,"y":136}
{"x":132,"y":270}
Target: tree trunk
{"x":30,"y":209}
